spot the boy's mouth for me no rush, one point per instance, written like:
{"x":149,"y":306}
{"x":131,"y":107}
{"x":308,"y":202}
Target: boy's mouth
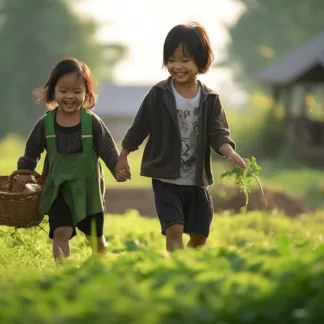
{"x":180,"y":74}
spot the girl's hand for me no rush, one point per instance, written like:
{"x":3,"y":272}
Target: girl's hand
{"x":235,"y":160}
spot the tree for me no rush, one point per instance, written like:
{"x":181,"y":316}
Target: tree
{"x":34,"y":35}
{"x":266,"y":31}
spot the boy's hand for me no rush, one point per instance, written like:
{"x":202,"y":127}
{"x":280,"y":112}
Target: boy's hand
{"x":234,"y":159}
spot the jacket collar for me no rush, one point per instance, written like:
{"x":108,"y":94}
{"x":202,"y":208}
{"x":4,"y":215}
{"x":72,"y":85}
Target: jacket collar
{"x":166,"y":85}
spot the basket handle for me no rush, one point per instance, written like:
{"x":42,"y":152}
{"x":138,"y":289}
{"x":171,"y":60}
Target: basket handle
{"x":12,"y":176}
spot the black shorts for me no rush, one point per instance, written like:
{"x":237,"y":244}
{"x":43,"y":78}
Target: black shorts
{"x":188,"y":205}
{"x":60,"y":215}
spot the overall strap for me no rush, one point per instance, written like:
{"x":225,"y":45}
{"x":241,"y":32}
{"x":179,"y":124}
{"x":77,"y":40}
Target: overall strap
{"x":86,"y":125}
{"x":49,"y":121}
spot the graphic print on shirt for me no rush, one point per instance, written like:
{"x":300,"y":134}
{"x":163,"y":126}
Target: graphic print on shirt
{"x":188,"y":123}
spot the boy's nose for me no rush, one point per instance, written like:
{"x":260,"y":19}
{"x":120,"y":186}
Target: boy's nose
{"x":177,"y":69}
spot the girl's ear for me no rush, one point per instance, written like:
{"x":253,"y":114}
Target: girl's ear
{"x":85,"y":102}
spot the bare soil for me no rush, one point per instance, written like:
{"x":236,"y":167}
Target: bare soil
{"x":119,"y":201}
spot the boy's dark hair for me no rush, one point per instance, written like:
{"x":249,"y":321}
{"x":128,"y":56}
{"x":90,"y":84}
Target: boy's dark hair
{"x":194,"y":41}
{"x":67,"y":65}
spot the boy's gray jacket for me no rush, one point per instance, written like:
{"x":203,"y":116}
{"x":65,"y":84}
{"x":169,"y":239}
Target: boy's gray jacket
{"x":157,"y":119}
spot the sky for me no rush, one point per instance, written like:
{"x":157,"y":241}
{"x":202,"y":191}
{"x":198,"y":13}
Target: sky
{"x":142,"y":26}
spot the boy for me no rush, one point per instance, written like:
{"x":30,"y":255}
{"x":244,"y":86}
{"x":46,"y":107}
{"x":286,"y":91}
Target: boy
{"x":182,"y":119}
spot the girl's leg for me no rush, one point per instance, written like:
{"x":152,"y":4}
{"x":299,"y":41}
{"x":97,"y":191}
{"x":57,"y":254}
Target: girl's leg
{"x":61,"y":242}
{"x":97,"y":243}
{"x":61,"y":228}
{"x":92,"y":227}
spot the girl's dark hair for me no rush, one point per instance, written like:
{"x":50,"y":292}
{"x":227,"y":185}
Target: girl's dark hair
{"x":67,"y":65}
{"x":194,"y":41}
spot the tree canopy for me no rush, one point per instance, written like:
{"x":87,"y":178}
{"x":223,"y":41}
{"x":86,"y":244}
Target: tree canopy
{"x":266,"y":31}
{"x":34,"y":35}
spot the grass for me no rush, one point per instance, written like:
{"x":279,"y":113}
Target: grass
{"x":256,"y":268}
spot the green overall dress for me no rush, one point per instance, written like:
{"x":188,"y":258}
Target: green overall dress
{"x":76,"y":175}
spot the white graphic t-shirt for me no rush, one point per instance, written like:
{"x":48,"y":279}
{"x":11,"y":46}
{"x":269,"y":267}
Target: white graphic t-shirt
{"x":187,"y":111}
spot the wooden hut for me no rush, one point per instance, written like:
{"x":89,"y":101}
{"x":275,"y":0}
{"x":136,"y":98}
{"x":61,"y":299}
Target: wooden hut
{"x":297,"y":85}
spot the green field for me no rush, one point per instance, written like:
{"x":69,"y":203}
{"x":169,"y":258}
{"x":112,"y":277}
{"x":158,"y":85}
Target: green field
{"x":256,"y":268}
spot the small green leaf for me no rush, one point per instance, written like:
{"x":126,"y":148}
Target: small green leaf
{"x":244,"y":177}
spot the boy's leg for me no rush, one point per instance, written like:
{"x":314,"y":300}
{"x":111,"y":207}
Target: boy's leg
{"x":92,"y":227}
{"x":198,"y":215}
{"x":174,"y":235}
{"x":170,"y":212}
{"x":196,"y":240}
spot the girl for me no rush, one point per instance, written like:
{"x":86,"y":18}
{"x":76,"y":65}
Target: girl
{"x":182,"y":119}
{"x":74,"y":138}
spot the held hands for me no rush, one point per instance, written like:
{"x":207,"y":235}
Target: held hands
{"x":122,"y":171}
{"x":235,"y":160}
{"x":121,"y":175}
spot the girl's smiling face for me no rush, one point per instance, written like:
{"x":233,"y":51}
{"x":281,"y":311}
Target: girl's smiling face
{"x":70,"y":92}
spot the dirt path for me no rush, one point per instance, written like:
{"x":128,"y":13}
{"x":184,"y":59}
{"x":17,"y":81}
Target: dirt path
{"x":118,"y":201}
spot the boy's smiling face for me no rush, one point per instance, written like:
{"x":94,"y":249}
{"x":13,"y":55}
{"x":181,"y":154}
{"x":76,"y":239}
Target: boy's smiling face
{"x":182,"y":67}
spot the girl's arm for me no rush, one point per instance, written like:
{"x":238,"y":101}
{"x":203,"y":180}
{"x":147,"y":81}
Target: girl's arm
{"x":34,"y":147}
{"x":104,"y":144}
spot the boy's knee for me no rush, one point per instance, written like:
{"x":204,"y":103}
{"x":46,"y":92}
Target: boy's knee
{"x":196,"y":240}
{"x":174,"y":231}
{"x":63,"y":233}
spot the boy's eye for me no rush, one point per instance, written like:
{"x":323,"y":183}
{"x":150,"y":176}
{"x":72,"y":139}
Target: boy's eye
{"x":63,"y":91}
{"x":186,"y":61}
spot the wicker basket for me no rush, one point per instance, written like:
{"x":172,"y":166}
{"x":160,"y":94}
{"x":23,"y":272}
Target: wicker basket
{"x":19,"y":209}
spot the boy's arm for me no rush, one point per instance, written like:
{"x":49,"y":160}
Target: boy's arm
{"x":218,"y":130}
{"x":34,"y":147}
{"x":139,"y":129}
{"x":220,"y":136}
{"x":136,"y":135}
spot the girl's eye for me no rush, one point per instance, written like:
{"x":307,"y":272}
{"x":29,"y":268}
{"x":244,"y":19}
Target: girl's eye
{"x":185,"y":61}
{"x":63,"y":91}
